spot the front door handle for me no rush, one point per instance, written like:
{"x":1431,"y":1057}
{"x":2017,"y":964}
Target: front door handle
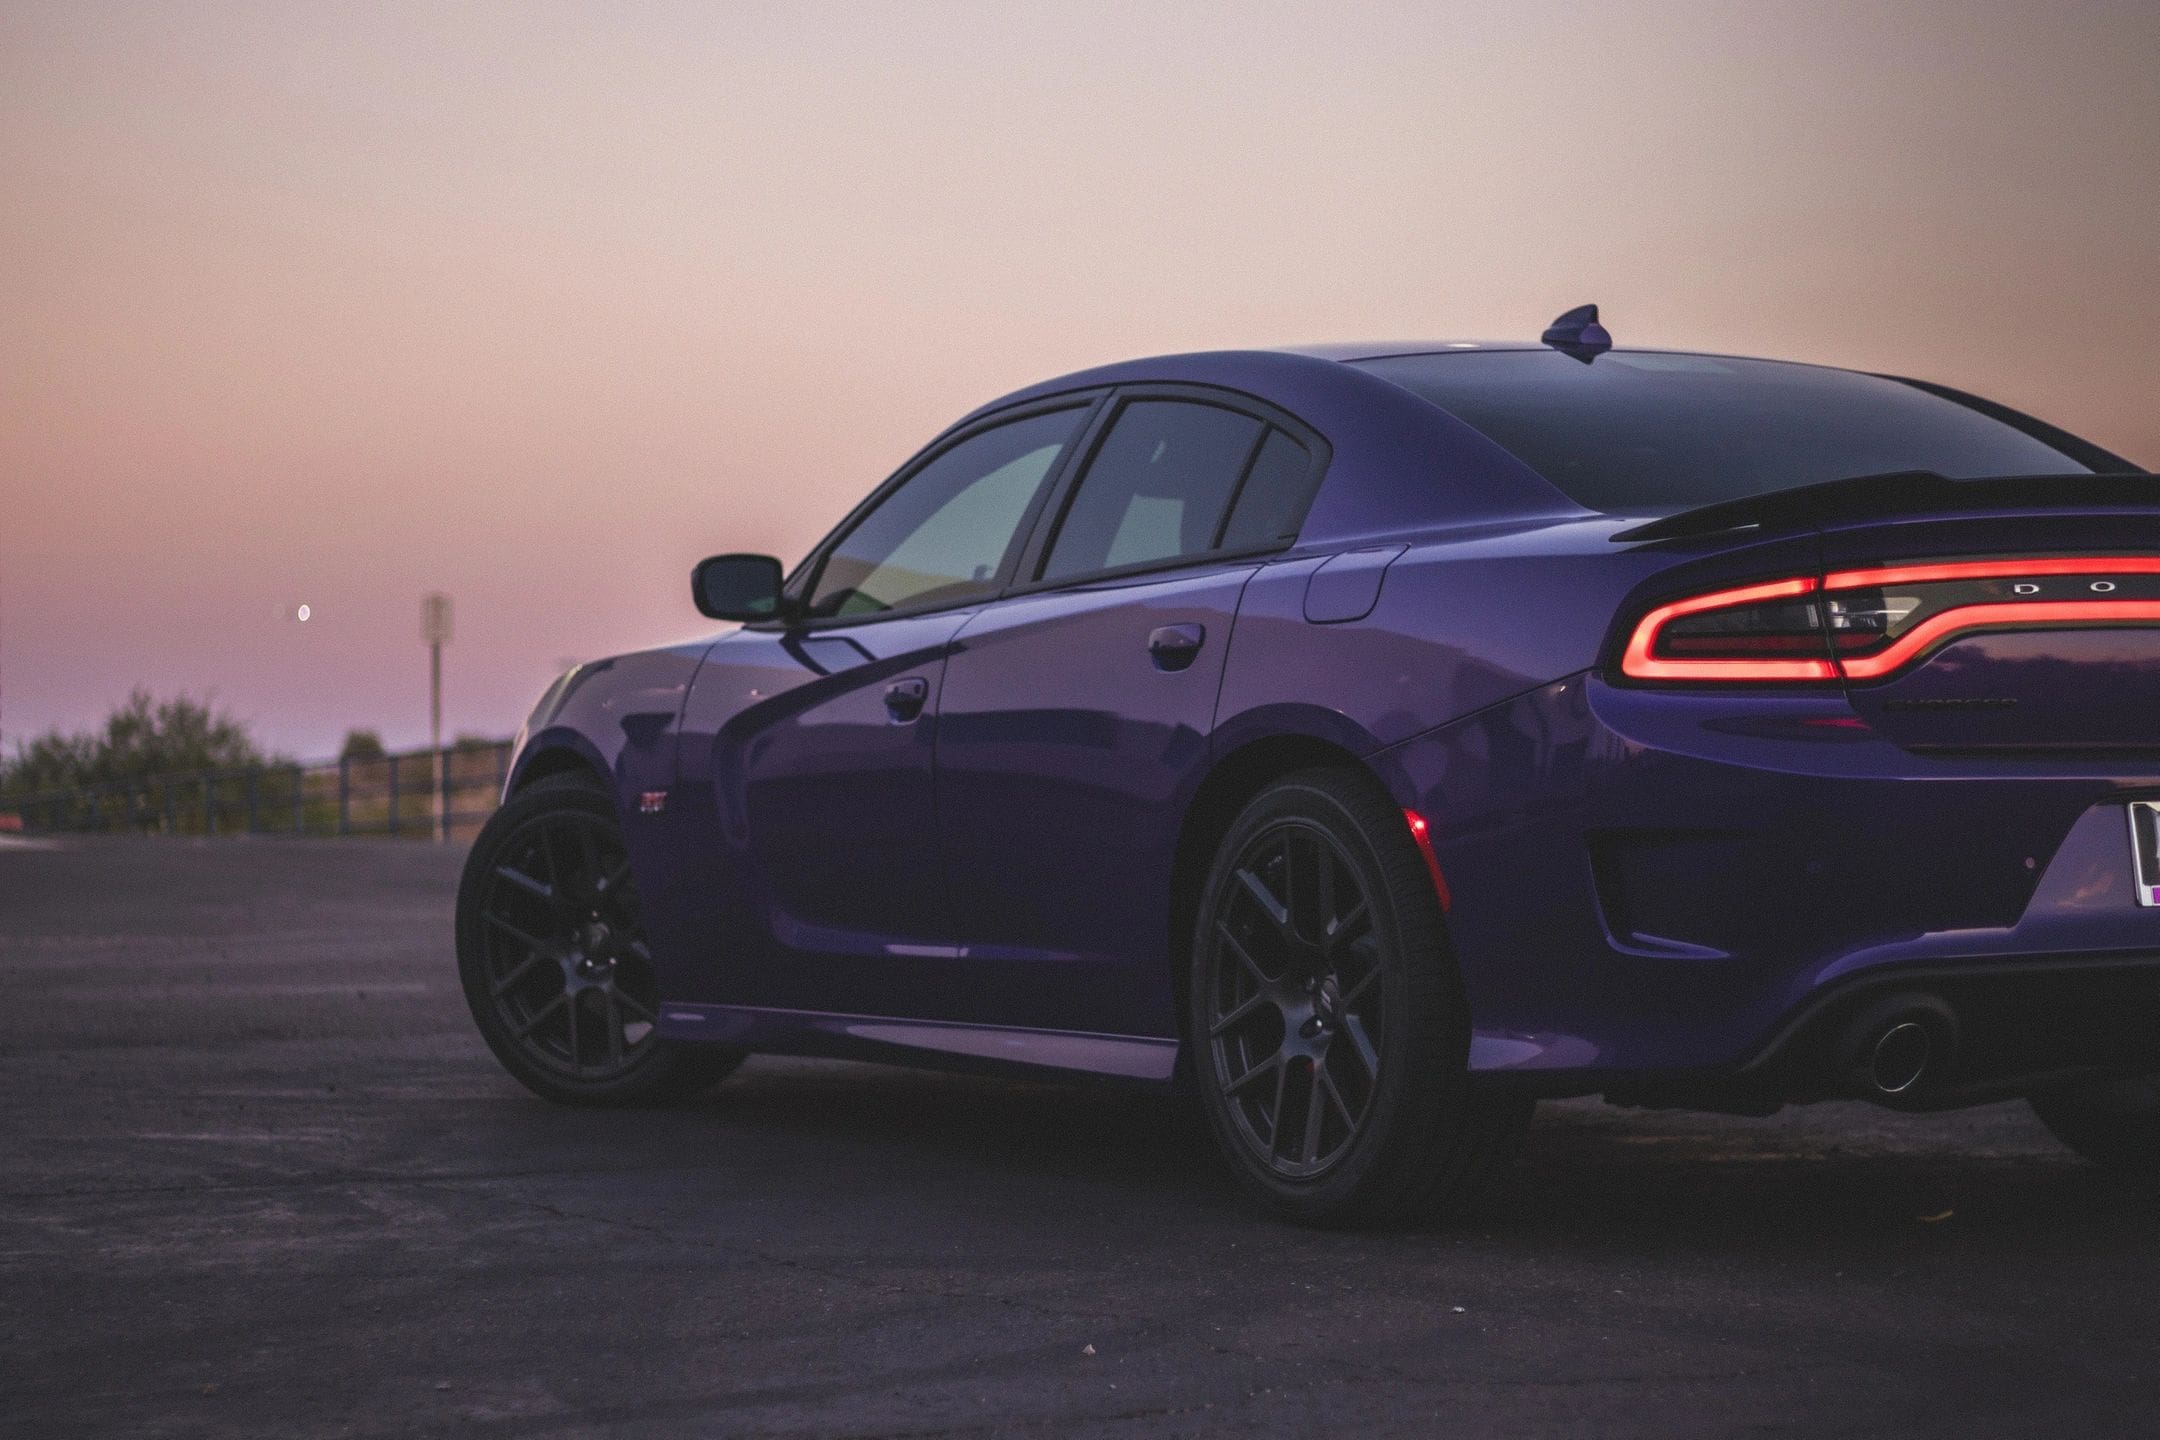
{"x":904,"y":699}
{"x":1173,"y":647}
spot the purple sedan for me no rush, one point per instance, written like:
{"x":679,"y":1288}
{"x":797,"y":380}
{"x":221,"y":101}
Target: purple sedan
{"x":1378,"y":739}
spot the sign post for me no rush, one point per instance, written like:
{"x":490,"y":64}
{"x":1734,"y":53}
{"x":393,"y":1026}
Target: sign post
{"x":435,"y":629}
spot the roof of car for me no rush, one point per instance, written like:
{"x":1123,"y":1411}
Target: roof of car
{"x":1380,"y":349}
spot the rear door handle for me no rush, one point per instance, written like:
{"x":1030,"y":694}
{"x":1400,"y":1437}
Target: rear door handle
{"x":904,"y":699}
{"x":1172,"y":647}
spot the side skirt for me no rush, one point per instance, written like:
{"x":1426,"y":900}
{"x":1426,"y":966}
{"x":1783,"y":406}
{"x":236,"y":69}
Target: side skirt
{"x":922,"y":1042}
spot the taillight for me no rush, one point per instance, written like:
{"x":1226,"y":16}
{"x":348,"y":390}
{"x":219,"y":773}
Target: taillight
{"x":1772,"y":631}
{"x":1867,"y":624}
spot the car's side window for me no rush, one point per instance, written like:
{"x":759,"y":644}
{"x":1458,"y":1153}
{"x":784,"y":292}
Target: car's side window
{"x":943,"y":537}
{"x":1157,"y":488}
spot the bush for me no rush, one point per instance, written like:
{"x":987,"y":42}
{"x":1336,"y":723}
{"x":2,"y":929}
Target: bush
{"x":362,"y":745}
{"x":142,"y":738}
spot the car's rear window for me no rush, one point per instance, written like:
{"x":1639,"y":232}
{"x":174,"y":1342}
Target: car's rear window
{"x":1635,"y":432}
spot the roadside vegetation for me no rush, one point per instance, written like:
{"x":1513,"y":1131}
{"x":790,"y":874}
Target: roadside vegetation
{"x":182,"y":766}
{"x":142,"y":738}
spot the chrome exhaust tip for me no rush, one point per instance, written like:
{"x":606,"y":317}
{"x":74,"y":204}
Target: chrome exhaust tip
{"x":1899,"y":1057}
{"x":1895,"y":1047}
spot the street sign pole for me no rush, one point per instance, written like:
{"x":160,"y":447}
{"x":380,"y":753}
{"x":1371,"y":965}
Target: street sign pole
{"x":435,"y":629}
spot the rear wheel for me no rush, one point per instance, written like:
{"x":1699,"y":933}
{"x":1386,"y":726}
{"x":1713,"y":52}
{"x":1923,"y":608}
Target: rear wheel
{"x":553,"y":959}
{"x":1329,"y":1030}
{"x":2114,"y":1123}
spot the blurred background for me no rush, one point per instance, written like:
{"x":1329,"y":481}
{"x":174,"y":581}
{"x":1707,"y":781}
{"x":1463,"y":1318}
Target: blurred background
{"x":536,"y":304}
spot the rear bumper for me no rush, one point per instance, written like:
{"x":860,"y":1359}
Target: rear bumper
{"x":1656,"y":886}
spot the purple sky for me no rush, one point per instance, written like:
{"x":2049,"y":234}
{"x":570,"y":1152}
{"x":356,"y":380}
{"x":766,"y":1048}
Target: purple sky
{"x":537,"y":304}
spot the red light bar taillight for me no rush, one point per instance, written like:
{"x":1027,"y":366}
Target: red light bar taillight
{"x":1755,"y":632}
{"x":1867,"y":624}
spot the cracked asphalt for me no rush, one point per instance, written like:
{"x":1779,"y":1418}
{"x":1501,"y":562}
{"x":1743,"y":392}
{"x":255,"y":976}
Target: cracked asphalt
{"x":262,"y":1179}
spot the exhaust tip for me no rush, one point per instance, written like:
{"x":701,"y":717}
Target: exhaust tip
{"x":1899,"y":1057}
{"x":1895,"y":1047}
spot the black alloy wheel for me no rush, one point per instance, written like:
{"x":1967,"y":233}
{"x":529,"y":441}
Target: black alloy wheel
{"x":552,"y":954}
{"x":1329,"y":1030}
{"x":1296,"y":1014}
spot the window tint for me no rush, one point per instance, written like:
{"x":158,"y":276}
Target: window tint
{"x":1643,"y":432}
{"x":942,"y":537}
{"x":1271,"y":504}
{"x":1157,"y":488}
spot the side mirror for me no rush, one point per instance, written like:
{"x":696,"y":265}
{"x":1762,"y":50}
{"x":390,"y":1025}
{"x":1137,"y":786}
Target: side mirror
{"x":737,"y":587}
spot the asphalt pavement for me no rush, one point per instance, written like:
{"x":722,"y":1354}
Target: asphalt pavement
{"x":262,"y":1179}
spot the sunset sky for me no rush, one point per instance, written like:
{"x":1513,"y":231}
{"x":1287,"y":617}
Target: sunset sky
{"x":539,"y":303}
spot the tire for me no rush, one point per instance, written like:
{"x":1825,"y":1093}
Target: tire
{"x":552,"y":958}
{"x":2113,"y":1123}
{"x":1320,"y":949}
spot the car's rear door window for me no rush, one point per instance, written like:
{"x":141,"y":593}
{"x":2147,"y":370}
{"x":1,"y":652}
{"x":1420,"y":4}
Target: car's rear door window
{"x":1157,"y":489}
{"x":1271,"y":504}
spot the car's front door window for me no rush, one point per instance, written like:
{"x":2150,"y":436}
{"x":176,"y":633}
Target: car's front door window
{"x":944,"y":536}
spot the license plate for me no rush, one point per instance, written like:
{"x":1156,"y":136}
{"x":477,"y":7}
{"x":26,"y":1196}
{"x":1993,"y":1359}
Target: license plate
{"x":2145,"y":850}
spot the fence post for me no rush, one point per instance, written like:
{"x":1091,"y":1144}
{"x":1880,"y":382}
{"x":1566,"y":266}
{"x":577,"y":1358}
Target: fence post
{"x":254,"y":799}
{"x":344,"y":795}
{"x":394,"y":818}
{"x":299,"y":796}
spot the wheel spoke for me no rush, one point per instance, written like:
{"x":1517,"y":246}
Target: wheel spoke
{"x":614,"y":1028}
{"x":1356,"y":992}
{"x":517,"y":973}
{"x":1342,"y":1108}
{"x":1252,"y":966}
{"x":528,"y":941}
{"x":577,"y":1057}
{"x":1347,"y":924}
{"x":612,"y":881}
{"x":1241,"y":1011}
{"x":635,"y":1006}
{"x":538,"y":889}
{"x":1282,"y":1086}
{"x":1315,"y":1108}
{"x":1277,"y":912}
{"x":1274,"y":1062}
{"x":532,"y":1021}
{"x":1361,"y":1043}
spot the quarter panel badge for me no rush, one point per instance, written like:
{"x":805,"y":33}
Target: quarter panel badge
{"x":652,"y":802}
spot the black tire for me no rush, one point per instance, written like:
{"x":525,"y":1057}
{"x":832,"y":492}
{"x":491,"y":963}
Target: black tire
{"x":552,"y":958}
{"x":2113,"y":1123}
{"x":1368,"y":1115}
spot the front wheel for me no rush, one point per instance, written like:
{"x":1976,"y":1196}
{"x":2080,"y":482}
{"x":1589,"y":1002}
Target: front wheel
{"x":1329,"y":1030}
{"x":552,"y":955}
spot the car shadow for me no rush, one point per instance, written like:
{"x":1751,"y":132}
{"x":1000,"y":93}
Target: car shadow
{"x":1588,"y":1173}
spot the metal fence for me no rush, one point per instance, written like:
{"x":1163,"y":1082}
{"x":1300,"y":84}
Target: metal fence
{"x":393,"y":795}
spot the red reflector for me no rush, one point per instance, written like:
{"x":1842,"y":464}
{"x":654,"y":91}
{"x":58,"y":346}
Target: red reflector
{"x":1422,"y":833}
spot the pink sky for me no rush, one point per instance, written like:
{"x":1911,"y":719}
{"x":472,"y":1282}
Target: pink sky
{"x":539,"y":303}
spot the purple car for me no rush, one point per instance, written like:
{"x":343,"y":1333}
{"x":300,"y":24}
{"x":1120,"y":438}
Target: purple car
{"x":1377,"y":739}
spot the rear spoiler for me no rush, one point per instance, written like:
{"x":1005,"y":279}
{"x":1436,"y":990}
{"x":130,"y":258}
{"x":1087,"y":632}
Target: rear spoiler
{"x":1899,"y":494}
